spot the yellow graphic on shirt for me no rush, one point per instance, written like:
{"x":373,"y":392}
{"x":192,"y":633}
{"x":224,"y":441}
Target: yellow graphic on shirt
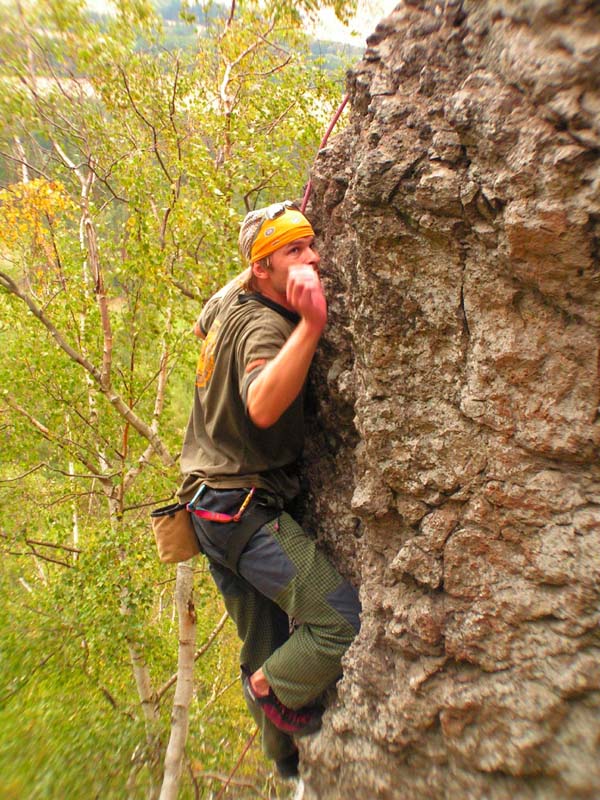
{"x":206,"y":360}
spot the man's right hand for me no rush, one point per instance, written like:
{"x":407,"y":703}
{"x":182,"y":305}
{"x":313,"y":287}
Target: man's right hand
{"x":305,"y":295}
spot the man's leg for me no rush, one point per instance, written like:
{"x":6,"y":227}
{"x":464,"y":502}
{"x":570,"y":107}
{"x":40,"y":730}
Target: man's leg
{"x":262,"y":627}
{"x":284,"y":564}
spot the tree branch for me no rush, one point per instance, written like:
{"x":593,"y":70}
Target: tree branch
{"x":198,"y":654}
{"x":245,"y":783}
{"x":172,"y":108}
{"x":184,"y":290}
{"x":76,"y":168}
{"x":89,"y":232}
{"x":7,"y":283}
{"x":159,"y":400}
{"x":231,"y":14}
{"x":66,"y":547}
{"x":113,"y":397}
{"x":220,"y":693}
{"x":147,"y":123}
{"x":256,"y":189}
{"x":25,"y":165}
{"x":273,"y":70}
{"x":230,"y":65}
{"x":65,"y":444}
{"x":43,"y":557}
{"x":25,"y":680}
{"x":23,"y":474}
{"x":271,"y":127}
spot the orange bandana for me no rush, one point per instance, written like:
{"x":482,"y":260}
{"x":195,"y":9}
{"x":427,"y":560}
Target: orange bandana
{"x":274,"y":233}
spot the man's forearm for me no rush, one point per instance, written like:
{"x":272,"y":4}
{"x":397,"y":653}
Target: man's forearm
{"x":281,"y":381}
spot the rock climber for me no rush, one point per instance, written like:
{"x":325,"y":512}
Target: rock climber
{"x":239,"y":456}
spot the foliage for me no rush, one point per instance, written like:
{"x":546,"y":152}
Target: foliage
{"x":126,"y":171}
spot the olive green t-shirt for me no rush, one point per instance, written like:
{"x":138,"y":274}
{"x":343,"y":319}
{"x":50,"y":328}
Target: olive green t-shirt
{"x":222,"y":447}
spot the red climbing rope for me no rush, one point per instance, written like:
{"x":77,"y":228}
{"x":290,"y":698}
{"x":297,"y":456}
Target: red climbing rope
{"x":332,"y":124}
{"x":225,"y":786}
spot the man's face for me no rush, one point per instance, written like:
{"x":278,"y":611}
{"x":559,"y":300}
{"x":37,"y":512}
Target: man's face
{"x":300,"y":252}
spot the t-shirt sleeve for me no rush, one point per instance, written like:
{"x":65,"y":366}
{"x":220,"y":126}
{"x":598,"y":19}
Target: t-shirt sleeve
{"x":260,"y":345}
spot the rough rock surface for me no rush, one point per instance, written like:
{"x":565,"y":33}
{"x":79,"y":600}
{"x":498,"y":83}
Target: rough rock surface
{"x":454,"y":465}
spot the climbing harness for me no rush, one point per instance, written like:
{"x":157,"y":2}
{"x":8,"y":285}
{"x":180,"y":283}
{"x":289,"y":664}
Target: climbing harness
{"x":228,"y":518}
{"x":218,"y":516}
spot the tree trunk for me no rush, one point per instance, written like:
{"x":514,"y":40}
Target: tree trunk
{"x":185,"y":681}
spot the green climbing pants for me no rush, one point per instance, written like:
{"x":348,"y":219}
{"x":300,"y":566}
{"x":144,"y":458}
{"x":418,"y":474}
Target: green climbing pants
{"x":281,"y":576}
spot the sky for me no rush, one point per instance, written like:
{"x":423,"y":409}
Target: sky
{"x":328,"y":27}
{"x":368,"y":15}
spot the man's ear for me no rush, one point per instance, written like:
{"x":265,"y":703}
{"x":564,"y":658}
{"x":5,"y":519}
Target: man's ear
{"x":259,"y":268}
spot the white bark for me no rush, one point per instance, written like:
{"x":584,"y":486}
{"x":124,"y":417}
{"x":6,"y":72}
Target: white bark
{"x":185,"y":681}
{"x":23,"y":158}
{"x":146,"y":693}
{"x":74,"y":512}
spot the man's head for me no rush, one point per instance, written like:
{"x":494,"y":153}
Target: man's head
{"x":274,"y":239}
{"x":266,"y":229}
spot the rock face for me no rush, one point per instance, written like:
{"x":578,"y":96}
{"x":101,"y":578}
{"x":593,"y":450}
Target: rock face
{"x":453,"y":465}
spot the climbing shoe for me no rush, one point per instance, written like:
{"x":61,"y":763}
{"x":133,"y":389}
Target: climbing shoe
{"x":288,"y":767}
{"x":293,"y":721}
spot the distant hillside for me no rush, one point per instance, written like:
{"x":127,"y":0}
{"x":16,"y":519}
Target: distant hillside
{"x":184,"y":22}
